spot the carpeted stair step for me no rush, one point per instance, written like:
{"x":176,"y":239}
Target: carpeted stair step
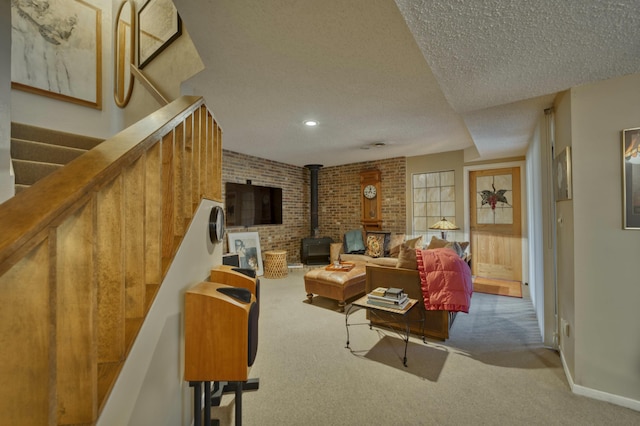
{"x":36,"y":151}
{"x":29,"y":172}
{"x":20,"y":187}
{"x":54,"y":137}
{"x":44,"y":152}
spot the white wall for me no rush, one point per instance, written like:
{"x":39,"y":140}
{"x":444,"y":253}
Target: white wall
{"x":565,"y":265}
{"x":542,"y":228}
{"x":606,"y":327}
{"x":534,"y":203}
{"x":150,"y":389}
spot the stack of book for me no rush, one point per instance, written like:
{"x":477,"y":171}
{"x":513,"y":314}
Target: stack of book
{"x":393,"y":298}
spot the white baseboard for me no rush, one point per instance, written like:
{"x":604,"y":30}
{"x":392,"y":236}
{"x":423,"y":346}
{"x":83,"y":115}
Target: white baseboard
{"x":596,"y":394}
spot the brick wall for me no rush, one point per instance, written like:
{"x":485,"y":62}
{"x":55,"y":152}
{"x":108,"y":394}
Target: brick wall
{"x":338,"y":198}
{"x":294,"y":182}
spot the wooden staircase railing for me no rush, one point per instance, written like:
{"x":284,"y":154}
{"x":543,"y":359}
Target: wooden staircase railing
{"x":82,"y":255}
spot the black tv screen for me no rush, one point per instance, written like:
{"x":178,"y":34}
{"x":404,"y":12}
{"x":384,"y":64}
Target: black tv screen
{"x":249,"y":205}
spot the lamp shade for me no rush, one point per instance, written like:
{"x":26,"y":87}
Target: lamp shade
{"x":444,"y":225}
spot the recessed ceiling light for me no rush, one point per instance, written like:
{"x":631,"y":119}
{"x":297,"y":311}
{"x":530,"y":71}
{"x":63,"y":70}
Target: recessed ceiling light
{"x":374,"y":145}
{"x":311,"y":123}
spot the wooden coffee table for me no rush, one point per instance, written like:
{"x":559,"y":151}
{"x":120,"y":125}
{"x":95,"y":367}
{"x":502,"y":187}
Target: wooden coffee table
{"x":398,"y":314}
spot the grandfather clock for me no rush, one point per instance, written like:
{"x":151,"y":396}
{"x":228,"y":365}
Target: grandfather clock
{"x":371,"y":200}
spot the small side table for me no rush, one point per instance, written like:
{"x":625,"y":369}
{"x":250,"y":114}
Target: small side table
{"x":398,"y":313}
{"x":275,"y":264}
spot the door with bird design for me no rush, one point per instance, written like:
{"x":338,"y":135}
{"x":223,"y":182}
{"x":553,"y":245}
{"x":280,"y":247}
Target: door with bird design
{"x":495,"y":224}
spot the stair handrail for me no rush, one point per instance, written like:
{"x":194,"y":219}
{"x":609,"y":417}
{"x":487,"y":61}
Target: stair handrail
{"x":147,"y":84}
{"x":30,"y":212}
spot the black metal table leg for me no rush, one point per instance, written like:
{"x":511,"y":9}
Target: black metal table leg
{"x":238,"y":403}
{"x":346,"y":323}
{"x":207,"y":403}
{"x":197,"y":403}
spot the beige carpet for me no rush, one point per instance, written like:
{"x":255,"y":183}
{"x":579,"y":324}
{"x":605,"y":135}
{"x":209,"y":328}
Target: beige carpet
{"x":497,"y":287}
{"x":493,"y":370}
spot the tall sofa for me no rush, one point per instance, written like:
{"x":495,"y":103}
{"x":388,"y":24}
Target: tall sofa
{"x":436,"y":324}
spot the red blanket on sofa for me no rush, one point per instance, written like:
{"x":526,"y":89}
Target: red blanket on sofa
{"x":445,"y":280}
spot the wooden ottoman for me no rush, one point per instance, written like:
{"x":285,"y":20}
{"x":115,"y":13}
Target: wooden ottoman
{"x":336,"y":285}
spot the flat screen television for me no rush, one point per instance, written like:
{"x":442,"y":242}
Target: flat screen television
{"x":250,"y":205}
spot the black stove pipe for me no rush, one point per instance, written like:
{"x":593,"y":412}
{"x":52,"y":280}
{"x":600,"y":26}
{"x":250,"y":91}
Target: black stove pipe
{"x":313,"y":168}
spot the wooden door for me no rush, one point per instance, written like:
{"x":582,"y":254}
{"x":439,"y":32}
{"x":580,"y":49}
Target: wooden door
{"x":495,"y":224}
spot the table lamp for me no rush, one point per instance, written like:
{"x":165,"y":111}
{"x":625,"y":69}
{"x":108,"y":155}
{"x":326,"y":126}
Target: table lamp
{"x":443,"y":225}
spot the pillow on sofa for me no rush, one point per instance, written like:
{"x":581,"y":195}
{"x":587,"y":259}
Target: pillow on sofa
{"x":455,"y":246}
{"x":386,"y":241}
{"x":407,"y":257}
{"x":437,"y":243}
{"x":353,"y":242}
{"x":414,"y":242}
{"x":375,"y":245}
{"x":394,"y":244}
{"x":458,"y":247}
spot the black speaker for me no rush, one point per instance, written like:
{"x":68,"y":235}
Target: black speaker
{"x":237,"y":277}
{"x":232,"y":259}
{"x":253,"y":333}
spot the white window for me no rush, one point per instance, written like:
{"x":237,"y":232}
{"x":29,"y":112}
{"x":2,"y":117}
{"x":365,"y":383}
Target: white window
{"x":434,"y":197}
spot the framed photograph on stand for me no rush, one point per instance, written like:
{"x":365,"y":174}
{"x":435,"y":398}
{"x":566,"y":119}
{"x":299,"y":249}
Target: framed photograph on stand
{"x":247,"y":246}
{"x":631,"y":178}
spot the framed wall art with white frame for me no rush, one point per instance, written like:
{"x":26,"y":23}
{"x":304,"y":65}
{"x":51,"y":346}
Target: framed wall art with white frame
{"x":247,"y":246}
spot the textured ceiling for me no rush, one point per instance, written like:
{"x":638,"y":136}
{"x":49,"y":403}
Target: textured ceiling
{"x":420,"y":76}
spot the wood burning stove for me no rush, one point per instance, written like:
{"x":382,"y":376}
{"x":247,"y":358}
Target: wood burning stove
{"x":316,"y":251}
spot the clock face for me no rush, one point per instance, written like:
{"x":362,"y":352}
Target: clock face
{"x":370,"y":191}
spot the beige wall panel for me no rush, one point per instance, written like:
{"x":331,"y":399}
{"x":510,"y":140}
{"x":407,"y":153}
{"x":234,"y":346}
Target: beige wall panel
{"x":109,"y":249}
{"x":167,"y":197}
{"x":218,"y":176}
{"x":203,"y":153}
{"x":153,"y":216}
{"x":197,"y":143}
{"x":135,"y":289}
{"x":25,"y":338}
{"x":188,"y":166}
{"x":599,"y":282}
{"x":179,"y":180}
{"x":76,"y":299}
{"x":211,"y":132}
